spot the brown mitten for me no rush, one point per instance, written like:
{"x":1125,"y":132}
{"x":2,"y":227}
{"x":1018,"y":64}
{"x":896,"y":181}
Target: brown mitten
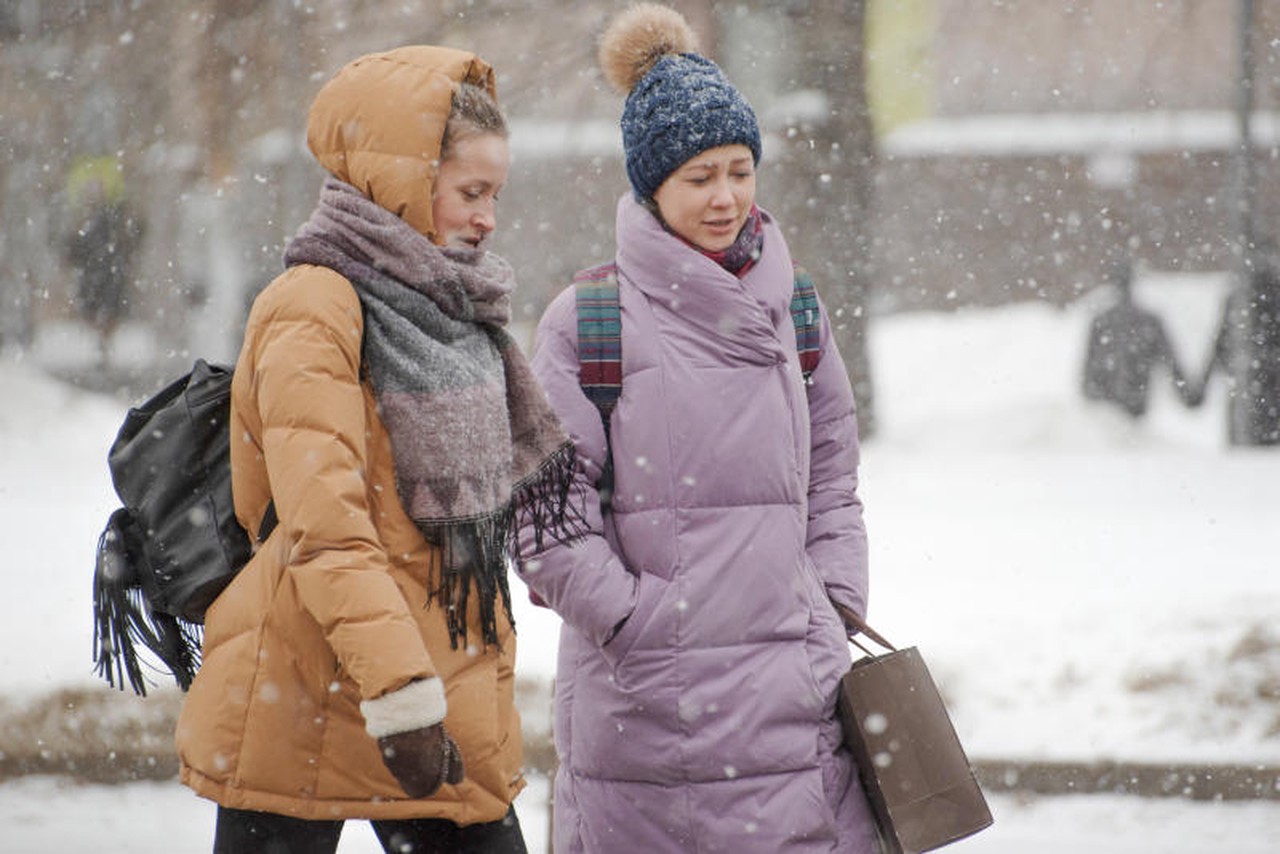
{"x":422,"y":760}
{"x":408,"y":724}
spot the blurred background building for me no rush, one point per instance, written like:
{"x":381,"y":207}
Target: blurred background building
{"x":923,"y":154}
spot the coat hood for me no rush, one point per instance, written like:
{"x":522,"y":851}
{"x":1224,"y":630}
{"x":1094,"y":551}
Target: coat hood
{"x":378,"y":124}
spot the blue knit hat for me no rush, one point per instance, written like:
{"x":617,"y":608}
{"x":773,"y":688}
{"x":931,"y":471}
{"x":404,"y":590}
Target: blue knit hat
{"x":682,"y":107}
{"x":679,"y":104}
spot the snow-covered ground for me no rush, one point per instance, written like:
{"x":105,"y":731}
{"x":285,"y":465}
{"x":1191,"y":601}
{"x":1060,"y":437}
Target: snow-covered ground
{"x":1082,"y":586}
{"x":42,"y":814}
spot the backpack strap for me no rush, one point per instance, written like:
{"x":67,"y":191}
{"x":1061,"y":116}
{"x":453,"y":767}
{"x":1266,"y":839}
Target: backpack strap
{"x":806,"y":318}
{"x":600,"y":354}
{"x":599,"y":336}
{"x":600,"y":344}
{"x":600,"y":332}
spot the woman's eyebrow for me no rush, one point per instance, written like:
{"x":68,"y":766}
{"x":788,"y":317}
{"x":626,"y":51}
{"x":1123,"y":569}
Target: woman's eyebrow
{"x":708,"y":166}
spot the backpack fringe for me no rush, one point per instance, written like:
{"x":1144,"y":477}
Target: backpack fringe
{"x":123,"y":619}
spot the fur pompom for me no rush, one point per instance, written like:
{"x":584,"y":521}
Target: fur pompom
{"x":638,"y":38}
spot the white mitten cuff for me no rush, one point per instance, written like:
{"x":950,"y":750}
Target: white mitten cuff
{"x":415,"y":706}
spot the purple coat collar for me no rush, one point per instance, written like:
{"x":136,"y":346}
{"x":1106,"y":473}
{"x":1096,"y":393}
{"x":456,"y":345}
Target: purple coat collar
{"x":741,"y":314}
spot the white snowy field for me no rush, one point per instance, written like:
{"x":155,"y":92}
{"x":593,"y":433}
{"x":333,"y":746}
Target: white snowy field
{"x":1082,"y":586}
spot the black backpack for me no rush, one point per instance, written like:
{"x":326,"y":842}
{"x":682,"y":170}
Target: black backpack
{"x":175,"y":543}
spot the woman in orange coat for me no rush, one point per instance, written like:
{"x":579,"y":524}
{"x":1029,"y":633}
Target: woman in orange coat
{"x":360,"y":666}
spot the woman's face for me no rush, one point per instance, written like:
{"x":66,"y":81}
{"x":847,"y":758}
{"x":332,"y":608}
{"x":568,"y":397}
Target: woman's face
{"x":464,"y":206}
{"x":706,"y":201}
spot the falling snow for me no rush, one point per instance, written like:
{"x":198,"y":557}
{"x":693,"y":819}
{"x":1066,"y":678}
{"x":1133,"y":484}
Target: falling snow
{"x":1083,"y":586}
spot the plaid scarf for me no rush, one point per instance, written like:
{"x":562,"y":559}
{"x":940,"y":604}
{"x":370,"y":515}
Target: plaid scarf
{"x":478,"y":450}
{"x":742,"y":254}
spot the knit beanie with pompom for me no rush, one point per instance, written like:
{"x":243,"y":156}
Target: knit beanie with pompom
{"x":679,"y":104}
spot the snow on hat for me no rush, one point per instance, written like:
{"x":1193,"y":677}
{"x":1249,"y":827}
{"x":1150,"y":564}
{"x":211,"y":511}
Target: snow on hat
{"x":679,"y":104}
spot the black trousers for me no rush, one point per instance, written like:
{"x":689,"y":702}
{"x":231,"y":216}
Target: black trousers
{"x":251,"y":832}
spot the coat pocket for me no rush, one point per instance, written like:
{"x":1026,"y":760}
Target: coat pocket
{"x":825,"y":646}
{"x":650,"y":590}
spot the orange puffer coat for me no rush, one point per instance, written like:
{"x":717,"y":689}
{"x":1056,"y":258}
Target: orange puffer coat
{"x":334,"y":607}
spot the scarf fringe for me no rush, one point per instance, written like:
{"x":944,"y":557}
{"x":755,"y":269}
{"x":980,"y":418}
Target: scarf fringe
{"x":544,"y":502}
{"x":475,"y":552}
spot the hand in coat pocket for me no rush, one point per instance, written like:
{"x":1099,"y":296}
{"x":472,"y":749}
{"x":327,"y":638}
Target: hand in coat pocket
{"x":649,"y":592}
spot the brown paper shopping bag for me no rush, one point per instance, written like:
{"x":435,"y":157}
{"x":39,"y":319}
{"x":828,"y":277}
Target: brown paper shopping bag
{"x":922,"y":790}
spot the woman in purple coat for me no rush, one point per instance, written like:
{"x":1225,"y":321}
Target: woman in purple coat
{"x":700,"y":651}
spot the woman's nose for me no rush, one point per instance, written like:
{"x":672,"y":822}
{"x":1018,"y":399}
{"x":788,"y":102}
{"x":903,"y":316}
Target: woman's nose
{"x":721,"y":195}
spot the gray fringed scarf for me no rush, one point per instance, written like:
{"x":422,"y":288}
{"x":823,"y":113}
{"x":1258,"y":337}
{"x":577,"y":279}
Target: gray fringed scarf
{"x":478,"y":450}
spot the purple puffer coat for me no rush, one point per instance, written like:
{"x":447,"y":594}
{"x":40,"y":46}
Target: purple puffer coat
{"x":700,"y":652}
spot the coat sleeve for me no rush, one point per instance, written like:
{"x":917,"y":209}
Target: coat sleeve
{"x":585,"y":582}
{"x":837,"y":538}
{"x":306,"y":380}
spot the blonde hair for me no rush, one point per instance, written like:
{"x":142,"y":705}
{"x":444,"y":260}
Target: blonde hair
{"x":474,"y":112}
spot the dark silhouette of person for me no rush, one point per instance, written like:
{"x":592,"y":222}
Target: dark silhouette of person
{"x":1250,"y":326}
{"x":101,"y":248}
{"x":1229,"y":327}
{"x":1127,"y":343}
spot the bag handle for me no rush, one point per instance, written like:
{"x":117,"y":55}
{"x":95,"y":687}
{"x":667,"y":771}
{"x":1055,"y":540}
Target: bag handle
{"x":852,"y":619}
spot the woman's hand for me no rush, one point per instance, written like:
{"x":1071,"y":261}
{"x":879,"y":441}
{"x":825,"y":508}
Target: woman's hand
{"x":408,"y":725}
{"x":422,"y":760}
